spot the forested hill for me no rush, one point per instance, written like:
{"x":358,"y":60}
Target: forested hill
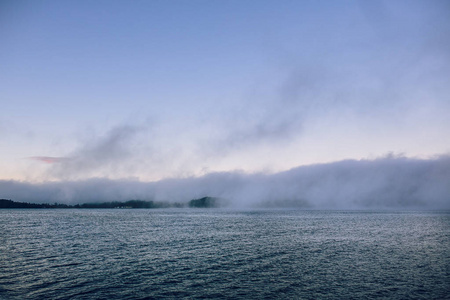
{"x":204,"y":202}
{"x":116,"y":204}
{"x":12,"y":204}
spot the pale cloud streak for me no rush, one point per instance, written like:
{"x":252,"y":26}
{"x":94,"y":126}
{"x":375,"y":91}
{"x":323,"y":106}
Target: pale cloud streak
{"x":49,"y":159}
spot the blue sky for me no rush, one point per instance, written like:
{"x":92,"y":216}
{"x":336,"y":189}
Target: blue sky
{"x":160,"y":89}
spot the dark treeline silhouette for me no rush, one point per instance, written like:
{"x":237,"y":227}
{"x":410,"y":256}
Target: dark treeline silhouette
{"x":11,"y":204}
{"x":204,"y":202}
{"x":129,"y":204}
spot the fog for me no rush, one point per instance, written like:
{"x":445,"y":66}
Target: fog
{"x":99,"y":153}
{"x":385,"y":183}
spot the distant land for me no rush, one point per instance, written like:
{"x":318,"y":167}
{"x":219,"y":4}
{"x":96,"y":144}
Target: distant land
{"x":205,"y":202}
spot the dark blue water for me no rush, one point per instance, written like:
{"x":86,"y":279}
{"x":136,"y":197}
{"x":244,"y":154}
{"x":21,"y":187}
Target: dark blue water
{"x":138,"y":254}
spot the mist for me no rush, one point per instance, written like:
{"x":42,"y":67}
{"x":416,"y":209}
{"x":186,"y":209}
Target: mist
{"x":385,"y":183}
{"x":100,"y":153}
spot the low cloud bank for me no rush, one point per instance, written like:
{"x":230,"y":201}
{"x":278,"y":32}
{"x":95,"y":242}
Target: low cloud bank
{"x":385,"y":183}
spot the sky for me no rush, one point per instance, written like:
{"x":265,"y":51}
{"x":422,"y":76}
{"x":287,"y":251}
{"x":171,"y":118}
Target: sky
{"x":155,"y":90}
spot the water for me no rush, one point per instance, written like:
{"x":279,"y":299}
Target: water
{"x":140,"y":254}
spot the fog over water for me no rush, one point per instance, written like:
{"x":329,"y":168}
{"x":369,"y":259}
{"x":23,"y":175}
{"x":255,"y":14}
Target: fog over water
{"x":385,"y":183}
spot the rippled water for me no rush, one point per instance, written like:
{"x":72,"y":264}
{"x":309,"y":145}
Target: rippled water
{"x":136,"y":254}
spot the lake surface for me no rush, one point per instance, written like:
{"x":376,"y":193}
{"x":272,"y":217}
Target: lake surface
{"x":285,"y":254}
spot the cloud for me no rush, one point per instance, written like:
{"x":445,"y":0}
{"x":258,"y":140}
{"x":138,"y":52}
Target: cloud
{"x":273,"y":117}
{"x":386,"y":183}
{"x":265,"y":131}
{"x":101,"y":154}
{"x":49,"y":159}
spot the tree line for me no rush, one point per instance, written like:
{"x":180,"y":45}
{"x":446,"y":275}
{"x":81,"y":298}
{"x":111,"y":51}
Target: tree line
{"x":205,"y":202}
